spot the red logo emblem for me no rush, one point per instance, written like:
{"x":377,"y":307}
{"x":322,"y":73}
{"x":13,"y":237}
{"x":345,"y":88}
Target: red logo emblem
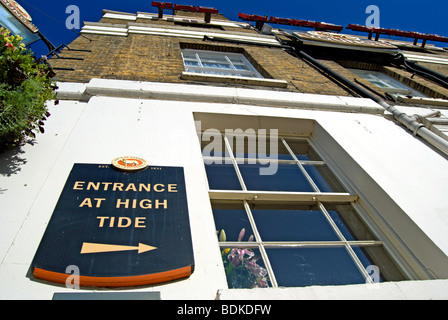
{"x":129,"y":163}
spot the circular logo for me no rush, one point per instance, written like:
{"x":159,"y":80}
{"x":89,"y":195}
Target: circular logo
{"x":129,"y":163}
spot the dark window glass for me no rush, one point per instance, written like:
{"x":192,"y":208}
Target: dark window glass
{"x":299,"y":267}
{"x":293,"y":225}
{"x":222,"y":176}
{"x":287,"y":178}
{"x":232,"y":219}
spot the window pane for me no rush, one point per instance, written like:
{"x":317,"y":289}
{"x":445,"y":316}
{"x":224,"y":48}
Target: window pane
{"x":188,"y":54}
{"x":299,"y":267}
{"x":287,"y":177}
{"x":241,"y":67}
{"x":349,"y":223}
{"x":250,"y":144}
{"x":216,"y":65}
{"x":222,"y":176}
{"x":232,"y":218}
{"x":191,"y":63}
{"x":386,"y":267}
{"x":213,"y":145}
{"x":323,"y":178}
{"x":211,"y":56}
{"x":244,"y":268}
{"x":293,"y":225}
{"x":236,"y":59}
{"x":302,"y":149}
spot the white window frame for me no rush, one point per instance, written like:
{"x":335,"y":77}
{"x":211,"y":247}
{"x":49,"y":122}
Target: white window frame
{"x":317,"y":196}
{"x":197,"y":56}
{"x":388,"y":84}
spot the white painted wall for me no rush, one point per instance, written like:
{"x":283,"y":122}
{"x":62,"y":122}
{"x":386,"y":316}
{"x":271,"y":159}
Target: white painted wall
{"x":163,"y":132}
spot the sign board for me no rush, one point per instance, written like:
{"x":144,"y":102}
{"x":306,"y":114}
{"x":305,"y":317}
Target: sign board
{"x":119,"y":228}
{"x":15,"y":18}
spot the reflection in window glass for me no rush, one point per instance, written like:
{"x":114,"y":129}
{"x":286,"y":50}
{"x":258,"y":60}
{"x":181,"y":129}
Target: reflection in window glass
{"x":222,"y":176}
{"x":293,"y":225}
{"x":299,"y":267}
{"x":235,"y":223}
{"x":287,"y":178}
{"x":349,"y":223}
{"x":302,"y":149}
{"x":323,"y":178}
{"x":386,"y":269}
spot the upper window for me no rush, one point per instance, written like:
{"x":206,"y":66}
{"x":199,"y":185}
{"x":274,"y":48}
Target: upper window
{"x":218,"y":63}
{"x":388,"y":84}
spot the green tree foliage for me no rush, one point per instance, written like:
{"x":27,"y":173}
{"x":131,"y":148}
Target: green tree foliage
{"x":25,"y":86}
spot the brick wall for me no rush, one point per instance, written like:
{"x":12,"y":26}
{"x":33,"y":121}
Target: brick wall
{"x":158,"y":58}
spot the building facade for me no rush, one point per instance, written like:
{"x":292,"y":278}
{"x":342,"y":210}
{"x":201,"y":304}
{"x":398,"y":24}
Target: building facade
{"x":313,"y":164}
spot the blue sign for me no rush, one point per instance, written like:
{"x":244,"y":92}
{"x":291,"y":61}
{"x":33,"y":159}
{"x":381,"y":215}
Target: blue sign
{"x":118,"y":228}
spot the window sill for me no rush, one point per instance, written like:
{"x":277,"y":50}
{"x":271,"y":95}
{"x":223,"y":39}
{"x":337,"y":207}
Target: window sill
{"x":234,"y":79}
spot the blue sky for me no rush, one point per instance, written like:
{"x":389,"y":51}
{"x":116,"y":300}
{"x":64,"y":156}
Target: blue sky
{"x":428,"y":16}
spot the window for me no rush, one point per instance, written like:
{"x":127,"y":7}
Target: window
{"x":388,"y":84}
{"x":290,"y":227}
{"x":218,"y":63}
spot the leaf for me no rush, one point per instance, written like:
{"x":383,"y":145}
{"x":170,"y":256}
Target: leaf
{"x":25,"y":86}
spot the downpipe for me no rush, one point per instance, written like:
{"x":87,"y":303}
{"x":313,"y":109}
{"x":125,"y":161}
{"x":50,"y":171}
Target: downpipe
{"x":421,"y":70}
{"x":411,"y":123}
{"x":417,"y":128}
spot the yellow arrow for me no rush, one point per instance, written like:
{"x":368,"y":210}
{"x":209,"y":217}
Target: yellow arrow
{"x":88,"y":247}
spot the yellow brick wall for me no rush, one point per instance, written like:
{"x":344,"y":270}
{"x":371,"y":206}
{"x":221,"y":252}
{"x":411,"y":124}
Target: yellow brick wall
{"x":158,"y":58}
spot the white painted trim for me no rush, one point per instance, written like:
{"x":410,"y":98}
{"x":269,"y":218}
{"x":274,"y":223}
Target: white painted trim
{"x":110,"y":33}
{"x":234,"y":79}
{"x":109,"y":29}
{"x":201,"y":93}
{"x":120,"y":16}
{"x":175,"y":32}
{"x":104,"y":28}
{"x":424,"y":58}
{"x":404,"y":290}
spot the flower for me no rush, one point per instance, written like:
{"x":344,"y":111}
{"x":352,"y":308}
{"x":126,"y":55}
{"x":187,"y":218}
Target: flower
{"x":243,"y":271}
{"x":236,"y":256}
{"x":25,"y":86}
{"x":255,"y":269}
{"x":241,"y":267}
{"x":241,"y":235}
{"x":222,"y":236}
